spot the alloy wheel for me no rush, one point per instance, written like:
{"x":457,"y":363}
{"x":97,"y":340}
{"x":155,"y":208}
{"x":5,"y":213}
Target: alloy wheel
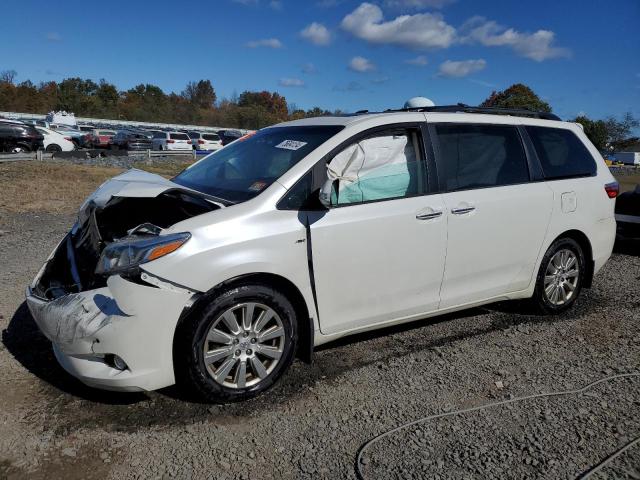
{"x":561,"y":277}
{"x":244,"y":345}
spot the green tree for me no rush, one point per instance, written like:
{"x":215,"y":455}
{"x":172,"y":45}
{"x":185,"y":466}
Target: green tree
{"x":596,"y":130}
{"x":517,"y":96}
{"x":201,"y":94}
{"x":620,"y":130}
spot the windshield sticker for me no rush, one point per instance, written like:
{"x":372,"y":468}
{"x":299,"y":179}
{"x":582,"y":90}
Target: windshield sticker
{"x":291,"y":144}
{"x":257,"y":186}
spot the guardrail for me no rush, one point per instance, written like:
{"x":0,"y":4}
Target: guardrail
{"x":40,"y":155}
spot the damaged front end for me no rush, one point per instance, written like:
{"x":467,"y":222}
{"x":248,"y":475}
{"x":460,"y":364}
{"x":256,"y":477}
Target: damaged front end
{"x":115,"y":222}
{"x":95,"y":303}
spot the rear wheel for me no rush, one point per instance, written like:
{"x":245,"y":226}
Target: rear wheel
{"x":53,"y":148}
{"x":237,"y":346}
{"x":560,"y":277}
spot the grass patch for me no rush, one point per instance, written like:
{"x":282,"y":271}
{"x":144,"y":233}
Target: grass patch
{"x":60,"y":188}
{"x":628,"y":182}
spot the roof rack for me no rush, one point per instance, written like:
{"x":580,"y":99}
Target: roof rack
{"x":462,"y":108}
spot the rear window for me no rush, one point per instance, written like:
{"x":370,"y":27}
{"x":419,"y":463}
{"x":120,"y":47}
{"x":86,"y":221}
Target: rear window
{"x":179,"y":136}
{"x":561,"y":153}
{"x":211,"y":137}
{"x":476,"y":156}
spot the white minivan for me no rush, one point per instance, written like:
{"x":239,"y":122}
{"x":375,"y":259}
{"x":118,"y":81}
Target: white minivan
{"x":171,"y":141}
{"x":314,"y":229}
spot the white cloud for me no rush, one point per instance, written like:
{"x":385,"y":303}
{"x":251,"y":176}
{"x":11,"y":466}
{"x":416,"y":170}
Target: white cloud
{"x":417,"y":4}
{"x":291,"y":82}
{"x":537,"y":46}
{"x":422,"y":30}
{"x":462,"y":68}
{"x":317,"y":34}
{"x":419,"y":61}
{"x":380,"y":80}
{"x":246,"y":2}
{"x":275,"y":4}
{"x":361,"y":64}
{"x":265,"y":42}
{"x":309,"y":68}
{"x":54,"y":37}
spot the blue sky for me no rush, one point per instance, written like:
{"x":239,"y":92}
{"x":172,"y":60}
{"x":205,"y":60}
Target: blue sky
{"x":579,"y":55}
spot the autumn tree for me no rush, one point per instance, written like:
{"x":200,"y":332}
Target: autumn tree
{"x":517,"y":96}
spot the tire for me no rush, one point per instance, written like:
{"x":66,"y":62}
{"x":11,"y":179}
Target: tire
{"x":53,"y":148}
{"x":554,"y":277}
{"x":221,"y":376}
{"x":20,"y":148}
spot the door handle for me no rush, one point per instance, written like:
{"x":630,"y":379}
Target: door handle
{"x":427,"y":216}
{"x":462,"y":210}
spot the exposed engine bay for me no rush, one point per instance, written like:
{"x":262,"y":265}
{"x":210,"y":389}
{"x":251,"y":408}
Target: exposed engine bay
{"x":72,"y":268}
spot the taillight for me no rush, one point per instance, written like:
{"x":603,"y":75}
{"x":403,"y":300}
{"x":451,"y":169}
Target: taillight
{"x":612,"y":189}
{"x":171,"y":141}
{"x":201,"y":142}
{"x":67,"y":138}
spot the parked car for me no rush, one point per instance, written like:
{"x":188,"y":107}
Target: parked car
{"x":102,"y":138}
{"x":18,"y":137}
{"x":171,"y":141}
{"x":628,"y":214}
{"x":228,"y":136}
{"x":319,"y":228}
{"x":55,"y":141}
{"x":205,"y":141}
{"x":131,"y":140}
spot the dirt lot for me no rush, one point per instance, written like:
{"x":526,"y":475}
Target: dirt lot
{"x":312,"y":424}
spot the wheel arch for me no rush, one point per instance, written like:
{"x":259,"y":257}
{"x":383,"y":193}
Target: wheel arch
{"x":306,"y":328}
{"x":585,"y":244}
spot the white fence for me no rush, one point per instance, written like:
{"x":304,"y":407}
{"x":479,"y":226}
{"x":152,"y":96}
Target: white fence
{"x":40,"y":155}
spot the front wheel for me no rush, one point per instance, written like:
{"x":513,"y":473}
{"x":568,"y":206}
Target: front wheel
{"x":237,"y":346}
{"x":560,"y":277}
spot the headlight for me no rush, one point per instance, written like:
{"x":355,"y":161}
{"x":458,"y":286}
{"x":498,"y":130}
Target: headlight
{"x":126,"y":254}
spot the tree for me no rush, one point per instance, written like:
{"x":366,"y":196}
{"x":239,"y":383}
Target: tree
{"x":619,"y":130}
{"x":8,"y":76}
{"x":200,"y":94}
{"x":596,"y":130}
{"x":517,"y":96}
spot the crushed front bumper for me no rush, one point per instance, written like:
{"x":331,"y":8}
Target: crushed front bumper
{"x":132,"y":320}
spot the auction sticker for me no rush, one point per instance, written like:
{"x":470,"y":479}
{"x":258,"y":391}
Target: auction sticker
{"x":257,"y":186}
{"x":291,"y":144}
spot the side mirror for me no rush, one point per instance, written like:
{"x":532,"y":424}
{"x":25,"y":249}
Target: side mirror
{"x":324,"y":194}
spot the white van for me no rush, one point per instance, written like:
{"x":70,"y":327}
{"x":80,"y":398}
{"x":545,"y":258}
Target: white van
{"x":171,"y":141}
{"x":311,"y":230}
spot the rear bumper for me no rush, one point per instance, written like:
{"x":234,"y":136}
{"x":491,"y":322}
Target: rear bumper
{"x":136,"y":322}
{"x":179,"y":146}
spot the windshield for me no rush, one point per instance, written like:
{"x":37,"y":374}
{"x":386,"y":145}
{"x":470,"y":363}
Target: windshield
{"x":243,"y":169}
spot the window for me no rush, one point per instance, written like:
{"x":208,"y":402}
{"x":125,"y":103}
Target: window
{"x":179,"y":136}
{"x":476,"y":156}
{"x":211,"y":137}
{"x":159,"y":135}
{"x":561,"y":153}
{"x":381,"y":167}
{"x":245,"y":168}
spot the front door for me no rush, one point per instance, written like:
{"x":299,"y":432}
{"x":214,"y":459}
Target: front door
{"x":378,"y":252}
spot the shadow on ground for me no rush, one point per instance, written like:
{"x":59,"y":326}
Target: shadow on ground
{"x":129,"y":411}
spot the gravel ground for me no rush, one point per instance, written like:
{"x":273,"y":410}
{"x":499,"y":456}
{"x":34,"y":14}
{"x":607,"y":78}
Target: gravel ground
{"x":312,"y":424}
